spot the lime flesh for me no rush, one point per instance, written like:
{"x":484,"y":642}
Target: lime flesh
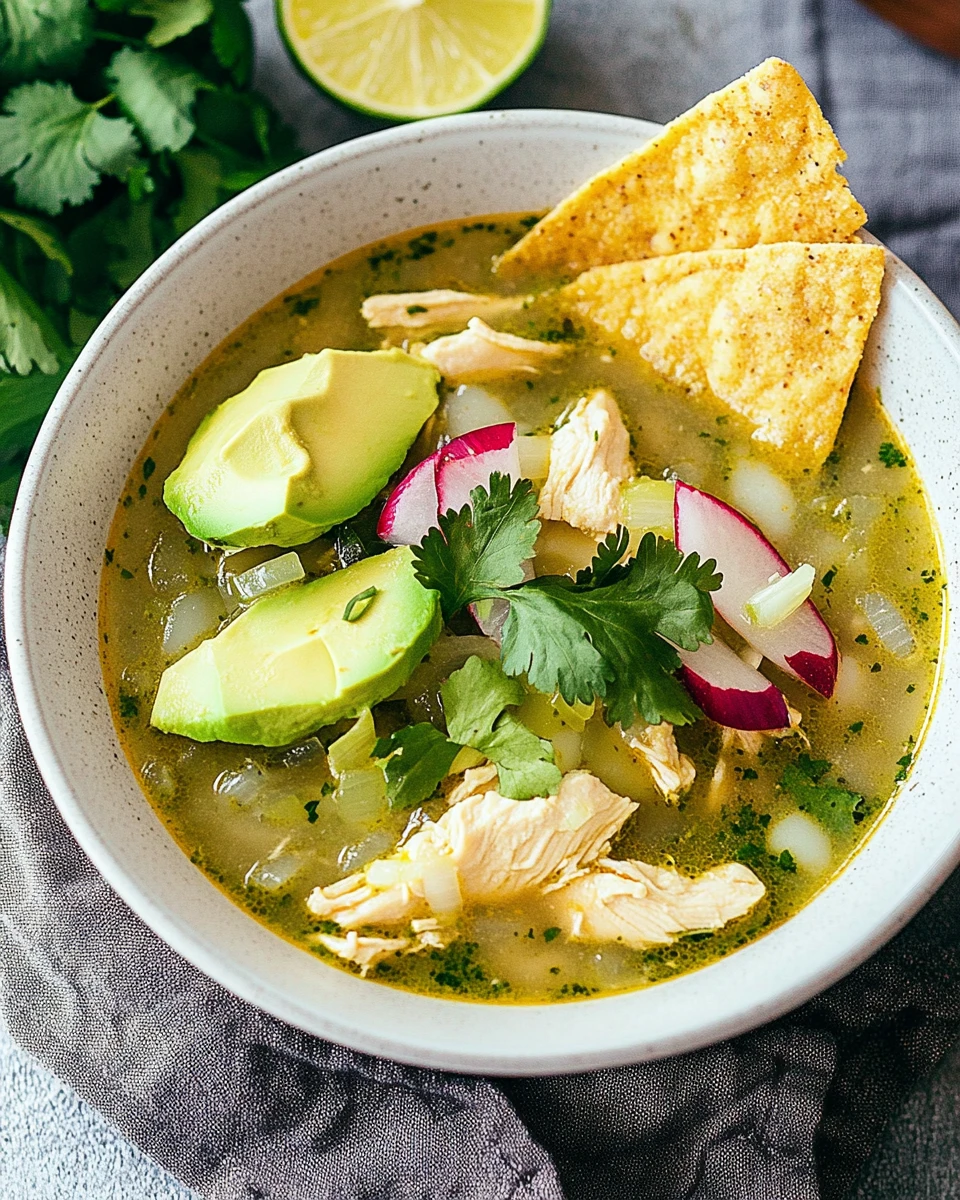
{"x":409,"y":59}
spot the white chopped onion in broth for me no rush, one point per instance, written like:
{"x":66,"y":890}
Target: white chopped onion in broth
{"x":887,"y":623}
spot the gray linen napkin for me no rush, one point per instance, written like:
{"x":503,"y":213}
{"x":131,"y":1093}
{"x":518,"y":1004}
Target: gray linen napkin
{"x":238,"y":1105}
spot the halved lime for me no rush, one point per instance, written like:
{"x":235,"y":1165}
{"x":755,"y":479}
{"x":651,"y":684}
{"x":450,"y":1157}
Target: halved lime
{"x":408,"y":59}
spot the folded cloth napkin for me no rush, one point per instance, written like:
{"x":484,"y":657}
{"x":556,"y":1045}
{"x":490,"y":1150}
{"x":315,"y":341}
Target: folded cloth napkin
{"x":241,"y":1107}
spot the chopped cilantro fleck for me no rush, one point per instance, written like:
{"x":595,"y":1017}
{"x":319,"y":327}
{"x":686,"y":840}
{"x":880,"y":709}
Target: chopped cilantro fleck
{"x":786,"y":862}
{"x":125,"y":574}
{"x":903,"y":765}
{"x":750,"y":773}
{"x":875,"y":668}
{"x":891,"y":456}
{"x":129,"y":706}
{"x":829,"y":577}
{"x":856,"y":727}
{"x":862,"y":640}
{"x":413,"y":309}
{"x":149,"y":466}
{"x":311,"y":810}
{"x":551,"y":933}
{"x":108,"y":555}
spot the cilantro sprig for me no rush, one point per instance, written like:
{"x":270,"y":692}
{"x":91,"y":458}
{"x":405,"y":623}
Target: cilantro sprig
{"x":476,"y":700}
{"x":122,"y":123}
{"x":606,"y":634}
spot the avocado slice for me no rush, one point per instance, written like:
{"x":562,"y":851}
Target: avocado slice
{"x":292,"y":662}
{"x":307,"y":445}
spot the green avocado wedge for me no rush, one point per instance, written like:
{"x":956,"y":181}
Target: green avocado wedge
{"x":307,"y":445}
{"x":304,"y":657}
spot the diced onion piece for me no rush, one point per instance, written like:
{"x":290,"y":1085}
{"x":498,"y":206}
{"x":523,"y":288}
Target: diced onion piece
{"x":441,"y":885}
{"x":575,"y":715}
{"x":534,"y":454}
{"x":362,"y":795}
{"x":193,"y":616}
{"x":353,"y":750}
{"x":648,"y":505}
{"x":471,"y":408}
{"x":803,"y":838}
{"x":568,"y":749}
{"x":243,"y":785}
{"x":781,"y":598}
{"x":887,"y":623}
{"x":763,"y":496}
{"x":269,"y":576}
{"x":276,"y":871}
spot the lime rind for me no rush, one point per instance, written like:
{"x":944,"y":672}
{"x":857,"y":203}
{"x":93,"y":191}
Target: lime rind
{"x":358,"y":101}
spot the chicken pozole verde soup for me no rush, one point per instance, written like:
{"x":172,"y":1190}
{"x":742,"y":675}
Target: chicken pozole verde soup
{"x":529,"y":634}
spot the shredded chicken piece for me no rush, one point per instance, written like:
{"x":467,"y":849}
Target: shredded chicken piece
{"x":673,"y":773}
{"x":480,"y":353}
{"x":366,"y":952}
{"x":500,"y":847}
{"x":589,"y":461}
{"x":474,"y":781}
{"x":441,"y":306}
{"x":745,"y":741}
{"x":751,"y":740}
{"x":642,"y":905}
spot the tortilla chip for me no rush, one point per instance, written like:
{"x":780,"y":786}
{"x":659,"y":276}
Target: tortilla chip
{"x":754,"y":163}
{"x":774,"y":333}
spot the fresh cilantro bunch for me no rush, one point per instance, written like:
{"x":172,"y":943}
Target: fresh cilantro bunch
{"x":122,"y":123}
{"x":606,"y":634}
{"x":475,"y":703}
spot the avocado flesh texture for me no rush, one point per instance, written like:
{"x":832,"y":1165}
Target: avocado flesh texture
{"x":307,"y":445}
{"x":291,"y":663}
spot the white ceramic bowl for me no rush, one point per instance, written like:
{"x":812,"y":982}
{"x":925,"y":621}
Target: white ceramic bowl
{"x":218,"y":274}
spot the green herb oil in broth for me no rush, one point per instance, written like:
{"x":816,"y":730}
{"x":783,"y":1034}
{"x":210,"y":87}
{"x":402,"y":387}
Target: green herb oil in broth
{"x":262,"y":824}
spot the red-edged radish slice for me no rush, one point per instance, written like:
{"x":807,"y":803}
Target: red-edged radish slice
{"x":469,"y":461}
{"x":412,"y":506}
{"x":801,"y":645}
{"x":731,"y":692}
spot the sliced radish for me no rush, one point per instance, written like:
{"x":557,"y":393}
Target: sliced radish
{"x":731,"y":692}
{"x":469,"y":461}
{"x":801,"y":645}
{"x":445,"y":479}
{"x":412,"y":506}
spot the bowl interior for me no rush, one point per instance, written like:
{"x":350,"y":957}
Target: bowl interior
{"x":237,"y":260}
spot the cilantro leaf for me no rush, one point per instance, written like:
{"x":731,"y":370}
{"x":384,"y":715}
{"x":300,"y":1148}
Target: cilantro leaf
{"x":41,"y":234}
{"x":474,"y":700}
{"x":833,"y":806}
{"x":891,"y":455}
{"x":157,"y":93}
{"x":605,"y":634}
{"x":172,"y":19}
{"x":37,"y":36}
{"x":417,"y":758}
{"x":623,"y":617}
{"x":57,"y":147}
{"x":481,"y":548}
{"x":231,"y":39}
{"x":22,"y":334}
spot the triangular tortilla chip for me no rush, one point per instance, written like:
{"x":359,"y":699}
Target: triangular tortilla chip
{"x":774,"y":333}
{"x":754,"y":163}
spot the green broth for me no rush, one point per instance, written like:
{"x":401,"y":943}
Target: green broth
{"x":863,"y":525}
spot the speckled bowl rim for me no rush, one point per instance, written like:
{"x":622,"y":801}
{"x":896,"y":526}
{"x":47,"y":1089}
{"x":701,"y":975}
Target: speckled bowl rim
{"x":761,"y":981}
